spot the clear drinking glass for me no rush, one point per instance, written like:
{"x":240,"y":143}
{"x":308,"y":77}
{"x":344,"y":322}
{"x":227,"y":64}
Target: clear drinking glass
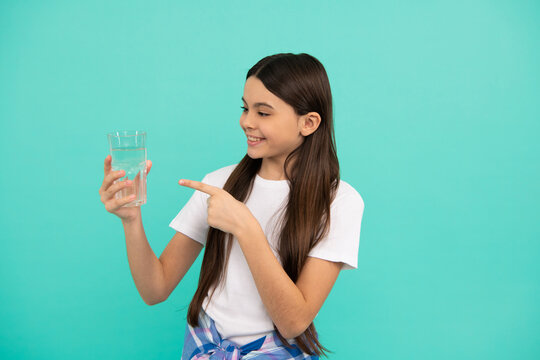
{"x":128,"y":151}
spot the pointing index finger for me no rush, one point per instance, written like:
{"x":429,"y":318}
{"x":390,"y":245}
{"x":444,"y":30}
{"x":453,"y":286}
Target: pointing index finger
{"x":197,"y":185}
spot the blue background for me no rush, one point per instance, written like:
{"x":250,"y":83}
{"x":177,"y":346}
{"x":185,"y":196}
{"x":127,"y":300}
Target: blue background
{"x":437,"y":126}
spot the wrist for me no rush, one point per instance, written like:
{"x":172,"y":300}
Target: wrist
{"x":247,"y":227}
{"x":131,"y":220}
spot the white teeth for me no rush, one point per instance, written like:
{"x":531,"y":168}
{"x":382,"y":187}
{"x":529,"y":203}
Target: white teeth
{"x":254,"y":139}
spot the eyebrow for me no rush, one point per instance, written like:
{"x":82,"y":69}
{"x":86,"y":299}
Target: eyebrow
{"x":259,"y":104}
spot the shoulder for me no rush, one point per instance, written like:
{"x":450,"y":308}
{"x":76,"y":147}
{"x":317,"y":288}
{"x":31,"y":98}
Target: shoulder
{"x":348,"y":196}
{"x":219,"y":177}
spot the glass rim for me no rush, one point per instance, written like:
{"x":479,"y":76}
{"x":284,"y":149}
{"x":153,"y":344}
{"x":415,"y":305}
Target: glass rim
{"x":126,"y":133}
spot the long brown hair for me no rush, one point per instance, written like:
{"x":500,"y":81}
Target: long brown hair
{"x":301,"y":81}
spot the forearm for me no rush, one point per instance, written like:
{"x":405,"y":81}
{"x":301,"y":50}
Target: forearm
{"x":283,"y":300}
{"x":146,"y":268}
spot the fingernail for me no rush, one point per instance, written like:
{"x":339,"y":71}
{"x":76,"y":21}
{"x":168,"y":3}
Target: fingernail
{"x":181,"y":182}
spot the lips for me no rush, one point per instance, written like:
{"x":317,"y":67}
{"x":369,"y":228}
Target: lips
{"x":255,"y":138}
{"x":255,"y":143}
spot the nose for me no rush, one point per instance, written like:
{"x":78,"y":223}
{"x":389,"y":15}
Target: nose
{"x":247,"y":121}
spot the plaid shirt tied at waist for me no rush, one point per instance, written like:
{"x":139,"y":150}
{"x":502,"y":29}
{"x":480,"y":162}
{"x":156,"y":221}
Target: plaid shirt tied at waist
{"x":204,"y":342}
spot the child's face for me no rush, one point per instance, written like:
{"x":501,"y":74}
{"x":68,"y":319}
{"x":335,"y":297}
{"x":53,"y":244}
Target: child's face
{"x":278,"y":125}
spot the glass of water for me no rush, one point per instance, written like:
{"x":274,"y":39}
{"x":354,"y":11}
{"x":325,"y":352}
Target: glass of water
{"x":128,"y":152}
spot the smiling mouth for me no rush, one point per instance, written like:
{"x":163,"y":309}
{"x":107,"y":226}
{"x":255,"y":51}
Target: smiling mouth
{"x":251,"y":142}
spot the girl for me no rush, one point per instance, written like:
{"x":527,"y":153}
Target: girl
{"x":278,"y":226}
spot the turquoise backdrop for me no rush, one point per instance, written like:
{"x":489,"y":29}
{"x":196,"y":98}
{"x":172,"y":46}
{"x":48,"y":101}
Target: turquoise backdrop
{"x":437,"y":114}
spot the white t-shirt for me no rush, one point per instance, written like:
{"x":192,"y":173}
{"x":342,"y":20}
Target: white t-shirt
{"x":236,"y":306}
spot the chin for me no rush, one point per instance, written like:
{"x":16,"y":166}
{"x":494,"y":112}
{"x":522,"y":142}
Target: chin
{"x":253,"y":156}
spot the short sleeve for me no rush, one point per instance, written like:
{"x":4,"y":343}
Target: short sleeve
{"x":343,"y":239}
{"x":192,"y":219}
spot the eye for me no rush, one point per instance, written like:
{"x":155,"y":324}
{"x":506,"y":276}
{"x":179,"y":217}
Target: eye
{"x":260,"y":113}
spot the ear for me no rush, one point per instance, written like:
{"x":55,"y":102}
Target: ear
{"x":309,"y":123}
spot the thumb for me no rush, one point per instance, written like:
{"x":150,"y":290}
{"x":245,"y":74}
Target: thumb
{"x":148,"y":166}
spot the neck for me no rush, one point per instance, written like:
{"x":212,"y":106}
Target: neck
{"x":271,"y":170}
